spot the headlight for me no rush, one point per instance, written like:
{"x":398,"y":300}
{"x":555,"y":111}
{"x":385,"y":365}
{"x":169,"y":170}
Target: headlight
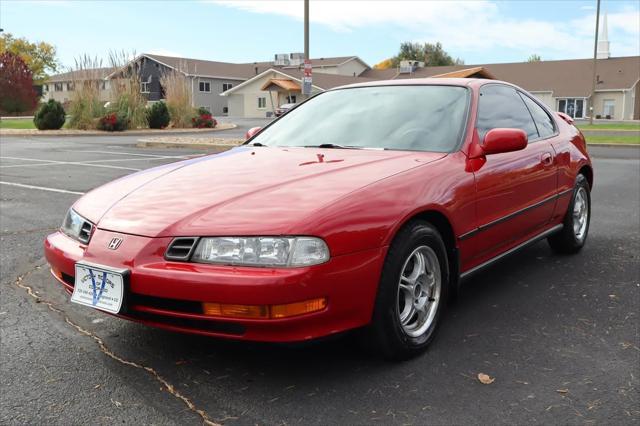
{"x":262,"y":251}
{"x":77,"y":227}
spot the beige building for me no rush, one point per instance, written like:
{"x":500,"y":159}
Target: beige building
{"x":61,"y":87}
{"x":562,"y":85}
{"x":261,"y":95}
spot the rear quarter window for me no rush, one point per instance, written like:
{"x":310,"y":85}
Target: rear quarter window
{"x":543,"y":122}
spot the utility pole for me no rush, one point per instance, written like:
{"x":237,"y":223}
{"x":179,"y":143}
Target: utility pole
{"x":306,"y":28}
{"x":307,"y":80}
{"x":595,"y":54}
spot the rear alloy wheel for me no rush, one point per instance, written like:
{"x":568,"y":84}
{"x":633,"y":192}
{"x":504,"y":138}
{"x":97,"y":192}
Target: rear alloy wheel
{"x":576,"y":221}
{"x":412,"y":292}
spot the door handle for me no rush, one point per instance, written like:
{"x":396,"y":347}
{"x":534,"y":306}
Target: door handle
{"x":546,"y":159}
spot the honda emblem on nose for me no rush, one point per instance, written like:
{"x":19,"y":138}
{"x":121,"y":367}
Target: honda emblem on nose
{"x":115,"y":243}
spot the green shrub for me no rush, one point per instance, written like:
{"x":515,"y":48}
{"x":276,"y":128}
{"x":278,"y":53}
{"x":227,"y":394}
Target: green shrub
{"x":158,"y":116}
{"x":50,"y":116}
{"x":113,"y":122}
{"x":202,"y":111}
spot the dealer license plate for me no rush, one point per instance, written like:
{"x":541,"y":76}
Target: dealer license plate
{"x":99,"y":287}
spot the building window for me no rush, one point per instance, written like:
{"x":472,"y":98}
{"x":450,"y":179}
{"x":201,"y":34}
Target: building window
{"x":45,"y":87}
{"x":291,"y":99}
{"x":226,"y":86}
{"x":57,"y":87}
{"x":225,"y":110}
{"x":205,"y":86}
{"x":262,"y":103}
{"x":608,"y":108}
{"x":71,"y":87}
{"x":573,"y":107}
{"x":145,"y":86}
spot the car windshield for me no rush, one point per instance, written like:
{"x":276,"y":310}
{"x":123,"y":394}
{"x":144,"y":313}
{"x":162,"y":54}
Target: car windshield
{"x":417,"y":118}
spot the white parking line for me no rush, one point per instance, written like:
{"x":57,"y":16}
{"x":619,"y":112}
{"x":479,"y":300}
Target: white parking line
{"x":135,"y":154}
{"x":54,"y":163}
{"x":27,"y":159}
{"x":41,"y":188}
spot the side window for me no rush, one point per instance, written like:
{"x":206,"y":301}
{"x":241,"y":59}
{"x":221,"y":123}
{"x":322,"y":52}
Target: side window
{"x":501,"y":106}
{"x":544,"y":123}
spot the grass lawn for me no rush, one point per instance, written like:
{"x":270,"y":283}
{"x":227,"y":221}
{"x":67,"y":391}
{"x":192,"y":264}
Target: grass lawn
{"x":609,"y":126}
{"x":17,"y":123}
{"x":627,"y":140}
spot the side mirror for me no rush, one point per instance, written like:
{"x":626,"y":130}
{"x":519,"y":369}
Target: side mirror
{"x":252,"y":132}
{"x":497,"y":141}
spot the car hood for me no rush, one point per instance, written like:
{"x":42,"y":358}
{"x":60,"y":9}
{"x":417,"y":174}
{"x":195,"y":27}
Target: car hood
{"x":246,"y":191}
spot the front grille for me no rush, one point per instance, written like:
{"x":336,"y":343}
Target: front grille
{"x":181,"y":248}
{"x":172,"y":305}
{"x":186,"y":306}
{"x":195,"y":324}
{"x":69,"y":279}
{"x":85,"y":232}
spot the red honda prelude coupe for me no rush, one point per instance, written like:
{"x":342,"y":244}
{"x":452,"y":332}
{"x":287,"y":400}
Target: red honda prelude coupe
{"x":363,"y":207}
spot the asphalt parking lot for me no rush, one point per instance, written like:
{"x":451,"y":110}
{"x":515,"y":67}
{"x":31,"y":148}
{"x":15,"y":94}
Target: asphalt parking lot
{"x":558,"y":333}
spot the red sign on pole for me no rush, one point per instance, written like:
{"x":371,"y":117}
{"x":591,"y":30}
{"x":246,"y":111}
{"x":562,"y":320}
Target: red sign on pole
{"x":307,"y":79}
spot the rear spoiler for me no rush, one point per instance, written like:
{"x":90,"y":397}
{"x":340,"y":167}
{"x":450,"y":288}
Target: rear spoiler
{"x":565,"y":117}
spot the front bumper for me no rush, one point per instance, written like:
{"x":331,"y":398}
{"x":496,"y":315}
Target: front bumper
{"x":169,"y":294}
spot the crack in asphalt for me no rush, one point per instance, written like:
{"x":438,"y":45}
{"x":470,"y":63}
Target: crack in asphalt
{"x":104,"y":349}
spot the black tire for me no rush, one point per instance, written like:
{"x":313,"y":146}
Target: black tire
{"x":386,"y":334}
{"x":569,"y":241}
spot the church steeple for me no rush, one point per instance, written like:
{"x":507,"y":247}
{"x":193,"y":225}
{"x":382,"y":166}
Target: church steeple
{"x":603,"y":41}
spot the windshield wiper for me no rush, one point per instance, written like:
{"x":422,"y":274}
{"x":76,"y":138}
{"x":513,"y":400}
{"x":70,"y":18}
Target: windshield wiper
{"x":335,"y":146}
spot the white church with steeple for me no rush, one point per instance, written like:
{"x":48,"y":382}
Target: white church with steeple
{"x":603,"y":41}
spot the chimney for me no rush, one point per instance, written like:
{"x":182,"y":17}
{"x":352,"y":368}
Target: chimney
{"x":256,"y":68}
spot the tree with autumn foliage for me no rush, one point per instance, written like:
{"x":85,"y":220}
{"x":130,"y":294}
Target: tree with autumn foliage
{"x":384,"y":65}
{"x":40,"y":56}
{"x":16,"y":85}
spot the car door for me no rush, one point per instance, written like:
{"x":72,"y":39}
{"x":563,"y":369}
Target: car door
{"x":515,"y":190}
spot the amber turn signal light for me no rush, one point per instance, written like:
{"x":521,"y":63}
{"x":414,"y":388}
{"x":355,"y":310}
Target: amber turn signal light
{"x":264,"y":311}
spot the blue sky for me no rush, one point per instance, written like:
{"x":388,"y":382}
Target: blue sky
{"x":479,"y":31}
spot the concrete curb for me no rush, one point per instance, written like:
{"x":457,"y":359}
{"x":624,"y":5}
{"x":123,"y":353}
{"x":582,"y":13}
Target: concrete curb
{"x":148,"y":132}
{"x":609,"y":130}
{"x":154,"y":144}
{"x":614,"y":145}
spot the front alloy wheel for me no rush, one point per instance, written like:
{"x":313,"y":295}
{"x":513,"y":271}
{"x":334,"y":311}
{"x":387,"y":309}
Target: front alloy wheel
{"x":419,"y":291}
{"x":412,"y":292}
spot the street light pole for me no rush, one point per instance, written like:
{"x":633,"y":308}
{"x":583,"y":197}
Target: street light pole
{"x":306,"y":29}
{"x":595,"y":56}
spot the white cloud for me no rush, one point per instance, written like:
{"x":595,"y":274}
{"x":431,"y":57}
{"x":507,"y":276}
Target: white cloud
{"x":462,"y":26}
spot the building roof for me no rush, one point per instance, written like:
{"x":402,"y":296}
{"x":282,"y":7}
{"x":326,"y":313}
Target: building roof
{"x":321,"y":81}
{"x":475,"y":72}
{"x":566,"y":78}
{"x":240,"y":71}
{"x":282,"y":83}
{"x":85,"y":74}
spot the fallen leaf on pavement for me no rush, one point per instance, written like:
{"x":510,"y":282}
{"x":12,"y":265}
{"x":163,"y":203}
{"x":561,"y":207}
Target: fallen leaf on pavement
{"x":562,"y":390}
{"x":485,"y":379}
